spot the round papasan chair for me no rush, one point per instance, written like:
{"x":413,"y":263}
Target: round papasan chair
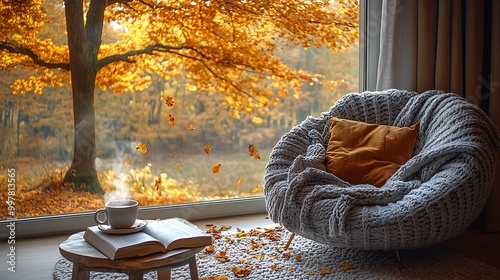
{"x":432,"y":197}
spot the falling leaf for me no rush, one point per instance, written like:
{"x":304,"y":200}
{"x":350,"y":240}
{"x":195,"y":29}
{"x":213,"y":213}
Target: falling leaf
{"x":216,"y":168}
{"x":257,"y":189}
{"x":171,"y":119}
{"x":253,"y":151}
{"x":208,"y":148}
{"x":126,"y":163}
{"x":190,"y":127}
{"x":169,"y":100}
{"x":177,"y":165}
{"x":239,"y":182}
{"x":142,"y":147}
{"x":158,"y":183}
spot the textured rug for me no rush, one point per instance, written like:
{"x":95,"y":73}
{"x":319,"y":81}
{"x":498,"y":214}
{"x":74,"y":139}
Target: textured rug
{"x":260,"y":254}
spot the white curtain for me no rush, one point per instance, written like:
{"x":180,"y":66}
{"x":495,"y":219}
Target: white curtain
{"x":450,"y":45}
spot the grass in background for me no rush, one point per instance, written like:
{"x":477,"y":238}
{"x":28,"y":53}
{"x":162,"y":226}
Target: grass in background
{"x":184,"y":179}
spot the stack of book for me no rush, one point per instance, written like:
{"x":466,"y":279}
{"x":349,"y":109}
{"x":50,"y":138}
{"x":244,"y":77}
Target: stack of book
{"x":156,"y":237}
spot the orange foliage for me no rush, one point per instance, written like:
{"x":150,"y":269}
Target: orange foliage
{"x":218,"y":52}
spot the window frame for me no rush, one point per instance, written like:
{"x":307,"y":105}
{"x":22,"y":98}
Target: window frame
{"x":69,"y":223}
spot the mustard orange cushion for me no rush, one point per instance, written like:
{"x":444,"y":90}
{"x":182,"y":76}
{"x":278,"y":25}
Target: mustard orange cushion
{"x":363,"y":153}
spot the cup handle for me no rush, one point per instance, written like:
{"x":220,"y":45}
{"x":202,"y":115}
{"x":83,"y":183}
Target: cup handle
{"x":96,"y":216}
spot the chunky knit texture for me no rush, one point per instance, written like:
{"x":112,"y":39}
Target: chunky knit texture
{"x":436,"y":195}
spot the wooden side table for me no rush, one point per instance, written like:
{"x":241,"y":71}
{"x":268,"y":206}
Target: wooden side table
{"x":86,"y":258}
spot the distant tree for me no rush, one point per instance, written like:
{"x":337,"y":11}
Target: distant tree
{"x":224,"y":47}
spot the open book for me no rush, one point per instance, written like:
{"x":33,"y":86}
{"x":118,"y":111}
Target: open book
{"x":157,"y":236}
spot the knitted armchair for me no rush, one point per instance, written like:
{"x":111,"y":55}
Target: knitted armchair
{"x":434,"y":196}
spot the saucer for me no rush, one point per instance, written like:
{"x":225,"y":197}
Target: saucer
{"x":138,"y":226}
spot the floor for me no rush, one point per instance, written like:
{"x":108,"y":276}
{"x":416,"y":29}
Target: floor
{"x":35,"y":257}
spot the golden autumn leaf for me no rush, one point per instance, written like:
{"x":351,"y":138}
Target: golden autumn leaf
{"x":239,"y":182}
{"x":190,"y":127}
{"x":216,"y":168}
{"x":222,"y":256}
{"x":347,"y":266}
{"x":258,"y":256}
{"x":171,"y":119}
{"x":210,"y":249}
{"x":208,"y":148}
{"x":241,"y":272}
{"x":218,"y":277}
{"x":142,"y":147}
{"x":253,"y":151}
{"x":325,"y":271}
{"x":225,"y":227}
{"x":177,"y":165}
{"x":169,"y":100}
{"x":145,"y":32}
{"x":158,"y":183}
{"x":310,"y":272}
{"x":257,"y":189}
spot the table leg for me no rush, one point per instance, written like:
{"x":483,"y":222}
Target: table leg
{"x":136,"y":275}
{"x":193,"y":270}
{"x":80,"y":273}
{"x":164,"y":274}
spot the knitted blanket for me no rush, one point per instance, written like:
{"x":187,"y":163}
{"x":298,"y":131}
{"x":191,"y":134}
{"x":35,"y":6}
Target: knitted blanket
{"x":434,"y":196}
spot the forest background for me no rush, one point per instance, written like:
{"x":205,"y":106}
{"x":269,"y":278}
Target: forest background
{"x":36,"y":136}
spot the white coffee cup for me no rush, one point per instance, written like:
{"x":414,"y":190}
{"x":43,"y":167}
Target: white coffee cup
{"x":118,"y":214}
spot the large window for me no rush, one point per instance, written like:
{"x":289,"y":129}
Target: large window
{"x":192,"y":159}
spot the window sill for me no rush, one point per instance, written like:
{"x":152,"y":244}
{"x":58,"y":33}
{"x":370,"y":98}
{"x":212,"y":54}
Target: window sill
{"x":51,"y":225}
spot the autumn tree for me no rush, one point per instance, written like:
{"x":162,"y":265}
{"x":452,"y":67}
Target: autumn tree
{"x":221,"y":47}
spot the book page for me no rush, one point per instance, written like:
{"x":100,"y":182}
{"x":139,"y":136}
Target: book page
{"x":125,"y":240}
{"x":172,"y":230}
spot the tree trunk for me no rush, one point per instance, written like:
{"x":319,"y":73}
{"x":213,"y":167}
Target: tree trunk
{"x":82,"y":171}
{"x":84,"y":39}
